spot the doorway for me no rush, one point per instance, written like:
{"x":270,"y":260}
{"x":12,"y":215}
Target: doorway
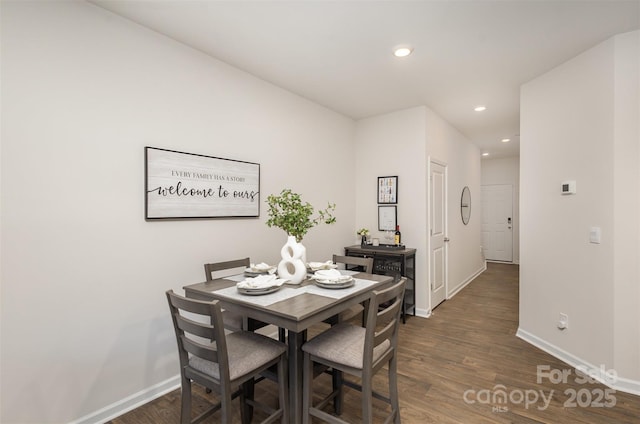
{"x":437,"y":232}
{"x":497,"y":222}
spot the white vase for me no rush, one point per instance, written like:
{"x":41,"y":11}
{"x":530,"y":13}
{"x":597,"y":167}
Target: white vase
{"x":293,"y":266}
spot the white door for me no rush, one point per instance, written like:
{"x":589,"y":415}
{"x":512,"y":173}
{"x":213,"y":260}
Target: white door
{"x":437,"y":232}
{"x":497,"y":222}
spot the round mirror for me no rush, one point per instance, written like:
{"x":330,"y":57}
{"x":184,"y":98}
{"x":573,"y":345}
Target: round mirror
{"x":465,"y":205}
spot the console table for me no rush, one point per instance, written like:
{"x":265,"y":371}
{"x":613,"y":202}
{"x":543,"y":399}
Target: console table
{"x":393,"y":261}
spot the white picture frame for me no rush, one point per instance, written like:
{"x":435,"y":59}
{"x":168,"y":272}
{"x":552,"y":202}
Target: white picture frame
{"x":387,"y":218}
{"x":181,"y":185}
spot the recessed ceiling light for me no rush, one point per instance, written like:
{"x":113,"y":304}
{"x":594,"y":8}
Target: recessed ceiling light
{"x":480,"y":108}
{"x":402,"y":51}
{"x":505,"y":140}
{"x":485,"y":154}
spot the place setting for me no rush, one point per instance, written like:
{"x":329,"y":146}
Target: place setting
{"x":255,"y":270}
{"x":261,"y":284}
{"x":317,"y":266}
{"x":332,"y":279}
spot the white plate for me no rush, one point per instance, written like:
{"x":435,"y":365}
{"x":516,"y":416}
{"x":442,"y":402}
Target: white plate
{"x":333,"y":285}
{"x":328,"y":278}
{"x":258,"y":292}
{"x":315,"y":266}
{"x":344,"y":279}
{"x":252,"y":272}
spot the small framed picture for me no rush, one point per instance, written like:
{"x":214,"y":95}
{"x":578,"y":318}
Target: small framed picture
{"x":388,"y":190}
{"x":387,"y":218}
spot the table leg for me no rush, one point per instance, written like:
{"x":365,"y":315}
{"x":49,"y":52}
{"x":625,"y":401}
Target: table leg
{"x":295,"y":357}
{"x":336,"y":380}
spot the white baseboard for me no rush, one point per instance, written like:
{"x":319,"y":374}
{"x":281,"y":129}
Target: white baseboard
{"x":514,"y":262}
{"x":469,"y":279}
{"x":130,"y":403}
{"x":424,"y":313}
{"x":598,"y":373}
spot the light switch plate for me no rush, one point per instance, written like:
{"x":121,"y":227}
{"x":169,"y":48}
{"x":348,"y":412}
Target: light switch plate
{"x":568,"y":187}
{"x":595,"y":235}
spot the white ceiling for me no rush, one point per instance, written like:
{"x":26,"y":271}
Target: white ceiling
{"x":338,"y":53}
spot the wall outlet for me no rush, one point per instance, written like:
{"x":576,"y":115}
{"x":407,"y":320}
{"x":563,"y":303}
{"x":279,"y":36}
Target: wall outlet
{"x":563,"y":322}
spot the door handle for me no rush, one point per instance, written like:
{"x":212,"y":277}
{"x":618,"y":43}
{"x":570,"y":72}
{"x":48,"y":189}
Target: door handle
{"x":446,"y":239}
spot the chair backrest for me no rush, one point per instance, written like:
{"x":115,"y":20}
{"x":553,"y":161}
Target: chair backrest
{"x":383,"y":319}
{"x":224,"y":269}
{"x":366,"y":263}
{"x":190,"y":332}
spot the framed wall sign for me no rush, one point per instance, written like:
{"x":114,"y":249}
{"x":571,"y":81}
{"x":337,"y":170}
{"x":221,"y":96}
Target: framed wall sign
{"x":388,"y":190}
{"x":387,"y":218}
{"x":187,"y":185}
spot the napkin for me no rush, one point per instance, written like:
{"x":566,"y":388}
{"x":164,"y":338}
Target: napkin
{"x":322,"y":265}
{"x":331,"y":276}
{"x":261,"y":282}
{"x":263,"y":267}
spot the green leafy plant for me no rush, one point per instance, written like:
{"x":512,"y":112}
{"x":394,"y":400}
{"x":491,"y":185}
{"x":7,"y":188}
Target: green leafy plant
{"x":288,"y":212}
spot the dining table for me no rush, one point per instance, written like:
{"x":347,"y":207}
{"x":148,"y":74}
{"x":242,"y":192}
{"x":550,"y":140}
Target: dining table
{"x":294,"y":308}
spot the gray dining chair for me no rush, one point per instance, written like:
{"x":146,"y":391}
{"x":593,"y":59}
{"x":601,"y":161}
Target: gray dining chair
{"x":364,"y":264}
{"x":233,"y":321}
{"x":360,"y":352}
{"x":228,"y":364}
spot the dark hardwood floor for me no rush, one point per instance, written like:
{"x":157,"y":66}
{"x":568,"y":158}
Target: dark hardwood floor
{"x":454,"y":367}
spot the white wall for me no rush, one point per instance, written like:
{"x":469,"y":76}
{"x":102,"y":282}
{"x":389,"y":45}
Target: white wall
{"x":579,"y":122}
{"x":626,"y":177}
{"x":506,"y":171}
{"x":448,"y":145}
{"x":84,"y":318}
{"x":393,"y":144}
{"x":401,"y":143}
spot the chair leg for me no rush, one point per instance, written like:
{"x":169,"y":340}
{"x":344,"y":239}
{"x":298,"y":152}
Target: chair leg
{"x":185,"y":411}
{"x":307,"y":388}
{"x":246,"y":410}
{"x":226,"y":406}
{"x":282,"y":334}
{"x":282,"y":390}
{"x":367,"y":395}
{"x":336,"y":382}
{"x":393,"y":389}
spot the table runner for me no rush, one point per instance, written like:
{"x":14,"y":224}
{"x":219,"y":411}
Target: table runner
{"x":262,"y":299}
{"x":339,"y":293}
{"x":241,"y":277}
{"x":287,"y":292}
